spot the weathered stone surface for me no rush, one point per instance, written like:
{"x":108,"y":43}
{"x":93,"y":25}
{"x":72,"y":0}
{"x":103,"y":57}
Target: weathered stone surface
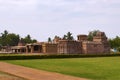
{"x":99,"y":45}
{"x":69,"y":47}
{"x":81,"y":46}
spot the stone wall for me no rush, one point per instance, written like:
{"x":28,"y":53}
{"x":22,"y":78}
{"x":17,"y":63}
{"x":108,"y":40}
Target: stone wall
{"x":82,"y":45}
{"x":82,"y":37}
{"x":49,"y":48}
{"x":69,"y":47}
{"x":34,"y":48}
{"x":100,"y":37}
{"x":92,"y":47}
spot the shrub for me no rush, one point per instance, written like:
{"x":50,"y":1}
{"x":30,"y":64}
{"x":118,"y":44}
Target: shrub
{"x":47,"y":56}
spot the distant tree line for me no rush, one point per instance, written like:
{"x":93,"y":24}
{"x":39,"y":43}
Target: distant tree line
{"x":12,"y":39}
{"x":67,"y":36}
{"x":115,"y":43}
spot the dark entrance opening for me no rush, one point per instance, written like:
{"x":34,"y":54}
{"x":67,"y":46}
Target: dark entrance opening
{"x":36,"y":48}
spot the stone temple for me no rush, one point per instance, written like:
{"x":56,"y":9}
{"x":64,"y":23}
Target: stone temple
{"x":99,"y":45}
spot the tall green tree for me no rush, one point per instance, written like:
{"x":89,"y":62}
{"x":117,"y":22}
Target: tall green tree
{"x":3,"y":38}
{"x":115,"y":42}
{"x":12,"y":39}
{"x":28,"y":39}
{"x":9,"y":39}
{"x":4,"y":34}
{"x":64,"y":37}
{"x":68,"y":36}
{"x":49,"y":39}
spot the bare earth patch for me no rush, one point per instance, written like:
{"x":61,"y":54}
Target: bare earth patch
{"x":33,"y":74}
{"x":4,"y":76}
{"x":9,"y":78}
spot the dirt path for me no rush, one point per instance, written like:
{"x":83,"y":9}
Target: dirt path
{"x":33,"y":74}
{"x":3,"y":77}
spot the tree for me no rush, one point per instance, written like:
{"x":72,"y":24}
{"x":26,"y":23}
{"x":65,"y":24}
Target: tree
{"x":4,"y":34}
{"x":92,"y":34}
{"x":118,"y":49}
{"x":3,"y":38}
{"x":68,"y":36}
{"x":49,"y":39}
{"x":28,"y":39}
{"x":64,"y":37}
{"x":8,"y":39}
{"x":12,"y":39}
{"x":34,"y":41}
{"x":57,"y":37}
{"x":115,"y":42}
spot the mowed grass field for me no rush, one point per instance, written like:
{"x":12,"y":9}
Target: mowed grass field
{"x":103,"y":68}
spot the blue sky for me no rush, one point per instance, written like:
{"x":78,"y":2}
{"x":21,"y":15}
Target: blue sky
{"x":47,"y":18}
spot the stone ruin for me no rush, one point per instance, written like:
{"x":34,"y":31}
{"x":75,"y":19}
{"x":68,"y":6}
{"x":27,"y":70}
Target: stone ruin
{"x":99,"y":45}
{"x":83,"y":46}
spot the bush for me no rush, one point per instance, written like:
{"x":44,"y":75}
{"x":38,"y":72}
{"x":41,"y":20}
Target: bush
{"x":23,"y":57}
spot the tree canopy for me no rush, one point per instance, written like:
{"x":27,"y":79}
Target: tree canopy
{"x":115,"y":42}
{"x":68,"y":36}
{"x":28,"y":39}
{"x":49,"y":40}
{"x":12,"y":39}
{"x":9,"y":39}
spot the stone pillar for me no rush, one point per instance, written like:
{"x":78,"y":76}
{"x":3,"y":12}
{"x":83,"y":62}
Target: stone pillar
{"x":27,"y":49}
{"x":32,"y":48}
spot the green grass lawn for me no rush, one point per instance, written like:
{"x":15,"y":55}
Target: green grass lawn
{"x":104,"y":68}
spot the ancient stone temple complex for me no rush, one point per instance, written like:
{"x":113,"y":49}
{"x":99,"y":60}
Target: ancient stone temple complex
{"x":99,"y":45}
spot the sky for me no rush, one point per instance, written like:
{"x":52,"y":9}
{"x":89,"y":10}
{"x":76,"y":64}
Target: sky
{"x":47,"y":18}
